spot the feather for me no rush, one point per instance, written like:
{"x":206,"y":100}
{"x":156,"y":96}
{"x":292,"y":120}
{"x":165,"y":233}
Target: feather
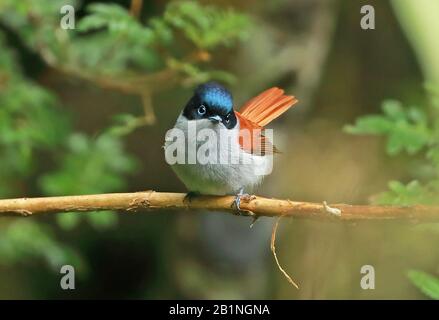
{"x":257,"y":113}
{"x":267,"y":106}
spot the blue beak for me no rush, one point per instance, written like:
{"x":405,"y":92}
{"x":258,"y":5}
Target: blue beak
{"x":215,"y":119}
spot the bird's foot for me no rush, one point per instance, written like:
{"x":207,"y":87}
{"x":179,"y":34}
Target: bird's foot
{"x":333,"y":211}
{"x":241,"y":196}
{"x":190,"y":196}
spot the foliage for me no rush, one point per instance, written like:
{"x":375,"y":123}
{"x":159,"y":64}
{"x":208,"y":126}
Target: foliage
{"x":25,"y":239}
{"x":412,"y":130}
{"x":415,"y":131}
{"x":111,"y":41}
{"x":40,"y":151}
{"x":102,"y":163}
{"x":406,"y":128}
{"x":206,"y":27}
{"x":30,"y":121}
{"x":427,"y":283}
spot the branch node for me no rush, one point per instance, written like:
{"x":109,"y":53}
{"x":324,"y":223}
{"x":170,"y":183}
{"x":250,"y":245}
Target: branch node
{"x":25,"y":213}
{"x":138,"y":204}
{"x":334,"y":211}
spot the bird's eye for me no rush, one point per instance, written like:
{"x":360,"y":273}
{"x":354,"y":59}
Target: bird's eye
{"x":227,"y":119}
{"x":202,"y":110}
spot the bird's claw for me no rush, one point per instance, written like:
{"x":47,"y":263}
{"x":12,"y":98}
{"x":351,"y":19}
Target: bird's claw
{"x":237,"y":202}
{"x":255,"y":218}
{"x":190,"y":196}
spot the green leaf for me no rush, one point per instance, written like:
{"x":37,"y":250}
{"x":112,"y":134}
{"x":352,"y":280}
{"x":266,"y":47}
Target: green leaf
{"x":103,"y":15}
{"x":412,"y":193}
{"x":416,"y":115}
{"x":23,"y":240}
{"x":124,"y":124}
{"x":91,"y":22}
{"x":207,"y":26}
{"x":30,"y":122}
{"x":118,"y":21}
{"x":427,"y":283}
{"x":393,"y":109}
{"x":374,"y":124}
{"x":406,"y":128}
{"x":90,"y":166}
{"x":411,"y":138}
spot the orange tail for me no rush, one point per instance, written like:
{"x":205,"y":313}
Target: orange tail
{"x":267,"y":106}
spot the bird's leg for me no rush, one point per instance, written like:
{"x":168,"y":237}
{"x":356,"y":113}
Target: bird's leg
{"x":190,"y":196}
{"x":237,"y":202}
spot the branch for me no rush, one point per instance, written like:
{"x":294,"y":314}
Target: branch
{"x":254,"y":206}
{"x":136,"y":8}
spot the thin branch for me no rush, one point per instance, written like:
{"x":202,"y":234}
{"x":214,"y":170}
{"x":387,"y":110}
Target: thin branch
{"x":273,"y":250}
{"x":136,"y":8}
{"x":149,"y":117}
{"x":252,"y":206}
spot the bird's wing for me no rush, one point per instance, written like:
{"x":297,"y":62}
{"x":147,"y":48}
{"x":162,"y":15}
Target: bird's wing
{"x":258,"y":112}
{"x":252,"y":139}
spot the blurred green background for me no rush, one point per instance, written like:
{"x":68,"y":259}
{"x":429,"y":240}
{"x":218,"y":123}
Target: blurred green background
{"x":86,"y":110}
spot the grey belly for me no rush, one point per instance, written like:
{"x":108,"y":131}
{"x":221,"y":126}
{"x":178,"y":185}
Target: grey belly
{"x":215,"y":179}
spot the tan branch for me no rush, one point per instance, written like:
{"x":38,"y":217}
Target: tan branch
{"x":273,"y":250}
{"x":253,"y":206}
{"x":136,"y":8}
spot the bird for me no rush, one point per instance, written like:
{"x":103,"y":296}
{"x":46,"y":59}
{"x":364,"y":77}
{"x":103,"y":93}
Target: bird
{"x":231,"y":168}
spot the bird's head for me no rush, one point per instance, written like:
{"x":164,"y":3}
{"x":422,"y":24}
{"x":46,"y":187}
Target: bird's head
{"x":213,"y":102}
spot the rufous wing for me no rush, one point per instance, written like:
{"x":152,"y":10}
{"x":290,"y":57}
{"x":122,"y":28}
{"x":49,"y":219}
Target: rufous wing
{"x":257,"y":113}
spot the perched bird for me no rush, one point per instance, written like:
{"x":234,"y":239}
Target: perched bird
{"x":230,"y":167}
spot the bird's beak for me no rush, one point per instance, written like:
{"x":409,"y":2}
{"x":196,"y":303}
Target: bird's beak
{"x":215,"y":119}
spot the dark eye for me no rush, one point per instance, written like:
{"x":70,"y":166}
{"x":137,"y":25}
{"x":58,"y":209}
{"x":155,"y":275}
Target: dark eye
{"x":202,"y":110}
{"x":227,"y":119}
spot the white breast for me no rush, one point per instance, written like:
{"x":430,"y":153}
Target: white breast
{"x":233,"y":170}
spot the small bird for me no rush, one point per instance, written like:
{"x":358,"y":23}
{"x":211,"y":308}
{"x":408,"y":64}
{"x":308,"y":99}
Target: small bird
{"x":242,"y":163}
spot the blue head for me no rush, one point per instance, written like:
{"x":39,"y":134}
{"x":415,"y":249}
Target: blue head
{"x":211,"y":101}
